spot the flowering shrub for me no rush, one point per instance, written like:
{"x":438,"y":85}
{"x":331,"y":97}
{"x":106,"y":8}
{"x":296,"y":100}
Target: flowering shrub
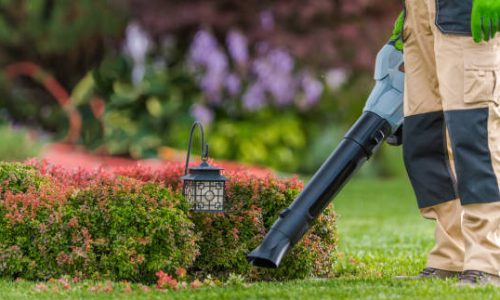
{"x":269,"y":78}
{"x":132,"y":224}
{"x":92,"y":225}
{"x":252,"y":205}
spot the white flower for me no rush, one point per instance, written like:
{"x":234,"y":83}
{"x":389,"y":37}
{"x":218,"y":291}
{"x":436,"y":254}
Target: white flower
{"x":137,"y":44}
{"x":335,"y":78}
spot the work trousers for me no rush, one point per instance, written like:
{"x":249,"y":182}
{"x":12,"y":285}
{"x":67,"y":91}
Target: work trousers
{"x":451,"y":139}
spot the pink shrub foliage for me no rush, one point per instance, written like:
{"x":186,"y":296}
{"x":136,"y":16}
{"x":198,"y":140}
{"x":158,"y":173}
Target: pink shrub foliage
{"x":133,"y":224}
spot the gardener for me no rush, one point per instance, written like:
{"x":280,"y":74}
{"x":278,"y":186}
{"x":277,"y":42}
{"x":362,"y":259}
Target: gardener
{"x":451,"y":136}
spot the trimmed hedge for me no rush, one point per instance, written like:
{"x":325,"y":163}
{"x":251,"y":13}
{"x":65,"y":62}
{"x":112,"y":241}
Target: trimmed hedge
{"x":16,"y":177}
{"x":130,"y":223}
{"x":92,"y":226}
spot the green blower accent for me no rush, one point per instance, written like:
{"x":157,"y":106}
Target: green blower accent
{"x":484,"y":19}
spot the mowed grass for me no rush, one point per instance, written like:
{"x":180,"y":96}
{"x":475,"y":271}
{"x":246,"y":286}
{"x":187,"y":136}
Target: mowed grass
{"x":381,"y":235}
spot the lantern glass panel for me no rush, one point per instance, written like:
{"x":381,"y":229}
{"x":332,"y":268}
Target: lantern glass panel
{"x":209,"y":196}
{"x":190,"y":191}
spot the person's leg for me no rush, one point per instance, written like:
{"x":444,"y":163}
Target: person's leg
{"x":448,"y":252}
{"x":481,"y":228}
{"x":469,"y":84}
{"x":425,"y":150}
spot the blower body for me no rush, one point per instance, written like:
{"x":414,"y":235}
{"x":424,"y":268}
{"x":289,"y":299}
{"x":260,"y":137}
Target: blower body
{"x":381,"y":117}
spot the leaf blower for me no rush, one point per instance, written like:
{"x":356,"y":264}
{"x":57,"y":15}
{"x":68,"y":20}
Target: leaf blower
{"x":382,"y":117}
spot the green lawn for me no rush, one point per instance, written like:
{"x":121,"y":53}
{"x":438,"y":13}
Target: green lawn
{"x":381,"y":236}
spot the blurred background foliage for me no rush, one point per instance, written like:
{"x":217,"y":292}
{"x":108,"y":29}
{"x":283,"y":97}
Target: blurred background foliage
{"x":66,"y":38}
{"x":17,"y":144}
{"x":275,"y":82}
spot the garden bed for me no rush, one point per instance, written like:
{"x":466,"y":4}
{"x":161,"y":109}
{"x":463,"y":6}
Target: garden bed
{"x":130,"y":223}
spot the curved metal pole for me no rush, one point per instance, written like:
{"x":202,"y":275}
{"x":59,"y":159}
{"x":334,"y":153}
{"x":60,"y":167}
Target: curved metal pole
{"x":204,"y":148}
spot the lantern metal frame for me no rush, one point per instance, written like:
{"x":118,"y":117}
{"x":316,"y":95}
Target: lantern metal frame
{"x":195,"y":180}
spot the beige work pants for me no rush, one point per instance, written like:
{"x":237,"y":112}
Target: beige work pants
{"x":451,"y":141}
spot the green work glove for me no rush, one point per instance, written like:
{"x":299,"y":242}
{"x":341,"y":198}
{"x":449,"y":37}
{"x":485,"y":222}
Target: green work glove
{"x":484,"y":19}
{"x":397,"y":32}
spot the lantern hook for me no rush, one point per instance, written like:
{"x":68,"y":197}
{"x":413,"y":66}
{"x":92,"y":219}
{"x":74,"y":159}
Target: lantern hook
{"x":204,"y":147}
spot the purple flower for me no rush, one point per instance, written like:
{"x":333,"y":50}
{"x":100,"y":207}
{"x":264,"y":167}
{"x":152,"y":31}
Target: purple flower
{"x":255,"y":97}
{"x":211,"y":84}
{"x":202,"y":113}
{"x":276,"y":63}
{"x":312,"y":89}
{"x":274,"y":70}
{"x":282,"y":87}
{"x":205,"y":54}
{"x":267,"y":20}
{"x":262,"y":48}
{"x":262,"y":68}
{"x":204,"y":42}
{"x":233,"y":84}
{"x":237,"y":45}
{"x":213,"y":80}
{"x":281,"y":60}
{"x":216,"y":61}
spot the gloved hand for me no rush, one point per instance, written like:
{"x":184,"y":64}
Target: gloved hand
{"x":484,"y":19}
{"x":397,"y":32}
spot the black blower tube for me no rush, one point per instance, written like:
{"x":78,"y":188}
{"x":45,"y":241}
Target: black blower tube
{"x":359,"y":143}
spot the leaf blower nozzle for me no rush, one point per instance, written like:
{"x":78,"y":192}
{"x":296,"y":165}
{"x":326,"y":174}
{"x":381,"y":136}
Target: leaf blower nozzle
{"x":272,"y":250}
{"x":382,"y":116}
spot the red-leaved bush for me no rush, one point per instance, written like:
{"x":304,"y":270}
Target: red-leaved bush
{"x":91,"y":225}
{"x":133,"y":224}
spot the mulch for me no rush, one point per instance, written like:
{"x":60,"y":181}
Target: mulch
{"x":72,"y":157}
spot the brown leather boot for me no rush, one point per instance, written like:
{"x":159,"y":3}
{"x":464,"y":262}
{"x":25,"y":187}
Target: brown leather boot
{"x":429,"y":273}
{"x":474,"y":278}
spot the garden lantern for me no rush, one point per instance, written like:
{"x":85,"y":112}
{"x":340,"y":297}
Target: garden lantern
{"x":203,"y":186}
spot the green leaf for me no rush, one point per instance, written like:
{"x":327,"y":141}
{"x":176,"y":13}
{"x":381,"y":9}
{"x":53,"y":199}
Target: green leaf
{"x":83,"y":90}
{"x":125,"y":93}
{"x":154,"y":106}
